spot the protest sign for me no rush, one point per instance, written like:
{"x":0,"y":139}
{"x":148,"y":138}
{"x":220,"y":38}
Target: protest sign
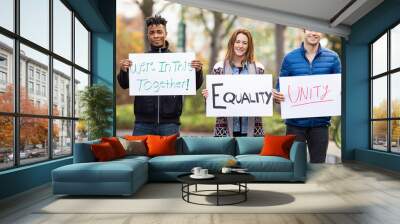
{"x":239,"y":95}
{"x":311,"y":96}
{"x":162,"y":74}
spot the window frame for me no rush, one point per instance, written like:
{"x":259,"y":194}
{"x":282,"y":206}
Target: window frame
{"x":16,"y":114}
{"x":388,"y":74}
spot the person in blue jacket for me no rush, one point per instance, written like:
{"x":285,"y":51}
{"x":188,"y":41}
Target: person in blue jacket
{"x":309,"y":59}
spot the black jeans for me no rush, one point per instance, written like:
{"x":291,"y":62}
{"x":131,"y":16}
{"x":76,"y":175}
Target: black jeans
{"x":317,"y":139}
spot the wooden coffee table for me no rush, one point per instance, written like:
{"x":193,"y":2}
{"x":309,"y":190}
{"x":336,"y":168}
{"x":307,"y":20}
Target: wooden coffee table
{"x":238,"y":179}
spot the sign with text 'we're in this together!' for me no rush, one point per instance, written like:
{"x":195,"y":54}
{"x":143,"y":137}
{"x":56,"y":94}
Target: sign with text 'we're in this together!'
{"x":311,"y":96}
{"x":239,"y":95}
{"x":162,"y":74}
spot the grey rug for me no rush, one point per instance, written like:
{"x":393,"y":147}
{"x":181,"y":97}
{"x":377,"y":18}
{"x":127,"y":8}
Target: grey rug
{"x":166,"y":198}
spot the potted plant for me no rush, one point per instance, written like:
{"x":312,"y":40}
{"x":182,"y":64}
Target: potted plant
{"x":96,"y":102}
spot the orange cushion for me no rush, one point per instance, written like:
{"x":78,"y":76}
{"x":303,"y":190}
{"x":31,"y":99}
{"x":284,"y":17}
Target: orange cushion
{"x":136,"y":137}
{"x":161,"y":145}
{"x":116,"y":145}
{"x":103,"y":151}
{"x":277,"y":145}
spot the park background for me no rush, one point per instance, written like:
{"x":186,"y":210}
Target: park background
{"x":206,"y":33}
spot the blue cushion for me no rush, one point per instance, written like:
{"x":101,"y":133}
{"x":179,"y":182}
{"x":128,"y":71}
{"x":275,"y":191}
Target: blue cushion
{"x":83,"y":153}
{"x":206,"y":145}
{"x":112,"y":171}
{"x":249,"y":145}
{"x":257,"y":163}
{"x":133,"y":157}
{"x":185,"y":163}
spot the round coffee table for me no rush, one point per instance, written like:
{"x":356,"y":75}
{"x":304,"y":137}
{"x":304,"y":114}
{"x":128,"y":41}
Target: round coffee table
{"x":238,"y":179}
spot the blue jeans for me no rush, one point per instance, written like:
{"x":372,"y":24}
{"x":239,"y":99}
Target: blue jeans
{"x":142,"y":128}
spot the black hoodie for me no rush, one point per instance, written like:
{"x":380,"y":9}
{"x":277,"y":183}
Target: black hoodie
{"x":157,"y":109}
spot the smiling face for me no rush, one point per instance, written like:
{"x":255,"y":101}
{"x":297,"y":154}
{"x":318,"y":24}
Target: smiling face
{"x":241,"y":45}
{"x":156,"y":34}
{"x":312,"y":37}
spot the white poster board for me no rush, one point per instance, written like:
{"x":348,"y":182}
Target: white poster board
{"x":239,"y":95}
{"x":311,"y":96}
{"x":162,"y":74}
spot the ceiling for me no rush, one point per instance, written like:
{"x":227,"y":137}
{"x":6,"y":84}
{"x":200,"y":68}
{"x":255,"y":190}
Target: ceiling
{"x":327,"y":16}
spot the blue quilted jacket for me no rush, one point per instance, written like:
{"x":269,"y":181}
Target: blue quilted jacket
{"x":295,"y":63}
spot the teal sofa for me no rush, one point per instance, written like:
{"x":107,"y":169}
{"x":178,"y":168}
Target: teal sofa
{"x":125,"y":176}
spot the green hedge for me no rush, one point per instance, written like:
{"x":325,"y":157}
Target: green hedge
{"x":196,"y":122}
{"x":125,"y":116}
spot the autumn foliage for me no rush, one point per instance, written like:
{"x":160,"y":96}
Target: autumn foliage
{"x":33,"y":130}
{"x":380,"y":127}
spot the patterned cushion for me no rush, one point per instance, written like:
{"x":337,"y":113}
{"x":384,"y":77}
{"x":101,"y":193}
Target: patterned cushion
{"x":134,"y":147}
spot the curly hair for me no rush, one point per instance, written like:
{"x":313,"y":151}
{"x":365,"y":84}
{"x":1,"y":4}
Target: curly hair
{"x":156,"y":20}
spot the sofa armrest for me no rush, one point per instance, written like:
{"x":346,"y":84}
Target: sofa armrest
{"x":83,"y":152}
{"x":298,"y":156}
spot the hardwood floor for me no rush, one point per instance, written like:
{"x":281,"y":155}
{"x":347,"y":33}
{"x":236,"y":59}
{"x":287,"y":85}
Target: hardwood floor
{"x":378,"y":190}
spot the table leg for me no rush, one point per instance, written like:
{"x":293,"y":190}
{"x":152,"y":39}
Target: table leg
{"x":245,"y":191}
{"x":217,"y":194}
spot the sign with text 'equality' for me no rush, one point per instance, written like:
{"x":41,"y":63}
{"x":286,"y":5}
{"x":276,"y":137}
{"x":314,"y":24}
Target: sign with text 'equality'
{"x":162,"y":74}
{"x":311,"y":96}
{"x":239,"y":95}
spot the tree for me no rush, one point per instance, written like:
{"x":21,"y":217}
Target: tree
{"x":222,"y":25}
{"x":33,"y":130}
{"x":279,"y":46}
{"x":129,"y":41}
{"x":96,"y":102}
{"x":146,"y":6}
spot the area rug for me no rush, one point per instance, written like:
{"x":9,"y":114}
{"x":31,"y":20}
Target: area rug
{"x":167,"y":198}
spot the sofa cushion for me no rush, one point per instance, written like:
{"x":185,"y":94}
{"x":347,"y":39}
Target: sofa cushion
{"x":83,"y":152}
{"x":249,"y":145}
{"x":277,"y":145}
{"x":136,"y":137}
{"x":161,"y":145}
{"x":116,"y":145}
{"x":134,"y":147}
{"x":132,"y":157}
{"x":206,"y":145}
{"x":112,"y":171}
{"x":185,"y":163}
{"x":103,"y":152}
{"x":257,"y":163}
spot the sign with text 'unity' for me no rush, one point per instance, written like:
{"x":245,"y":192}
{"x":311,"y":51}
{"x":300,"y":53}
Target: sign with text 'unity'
{"x":162,"y":74}
{"x":311,"y":96}
{"x":239,"y":95}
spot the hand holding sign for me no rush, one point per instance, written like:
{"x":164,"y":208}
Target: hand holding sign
{"x":311,"y":96}
{"x":124,"y":64}
{"x":278,"y":96}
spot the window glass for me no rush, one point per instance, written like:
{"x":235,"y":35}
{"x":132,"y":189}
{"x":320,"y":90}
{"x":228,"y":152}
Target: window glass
{"x":379,"y":56}
{"x":35,"y":21}
{"x":62,"y":138}
{"x":62,"y":29}
{"x":379,"y":97}
{"x":34,"y":145}
{"x":6,"y":74}
{"x":7,"y":14}
{"x":81,"y":45}
{"x":30,"y":58}
{"x":62,"y":91}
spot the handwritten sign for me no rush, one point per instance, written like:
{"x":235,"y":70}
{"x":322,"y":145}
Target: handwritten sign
{"x":311,"y":96}
{"x":162,"y":74}
{"x":239,"y":95}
